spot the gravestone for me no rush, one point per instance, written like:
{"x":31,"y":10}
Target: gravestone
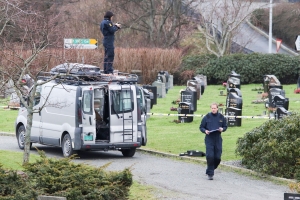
{"x":234,"y":121}
{"x":281,"y":112}
{"x":185,"y":108}
{"x":291,"y":196}
{"x":271,"y":81}
{"x":234,"y":80}
{"x":234,"y":98}
{"x":202,"y":80}
{"x":195,"y":84}
{"x":234,"y":105}
{"x":190,"y":96}
{"x":153,"y":90}
{"x":164,"y":77}
{"x":281,"y":101}
{"x":161,"y":89}
{"x":272,"y":93}
{"x":148,"y":98}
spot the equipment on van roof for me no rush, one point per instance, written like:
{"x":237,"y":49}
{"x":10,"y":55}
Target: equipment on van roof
{"x":76,"y":73}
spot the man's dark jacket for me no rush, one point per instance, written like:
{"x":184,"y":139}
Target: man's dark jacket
{"x":108,"y":30}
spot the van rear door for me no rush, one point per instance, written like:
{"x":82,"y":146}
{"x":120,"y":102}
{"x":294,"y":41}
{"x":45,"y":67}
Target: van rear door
{"x":88,"y":116}
{"x":123,"y":121}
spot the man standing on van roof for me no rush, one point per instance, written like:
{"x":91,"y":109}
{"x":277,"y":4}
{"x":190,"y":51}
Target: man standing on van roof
{"x":213,"y":124}
{"x":108,"y":30}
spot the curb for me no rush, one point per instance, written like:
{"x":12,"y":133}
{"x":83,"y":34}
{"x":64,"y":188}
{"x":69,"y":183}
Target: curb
{"x":273,"y":40}
{"x":235,"y":168}
{"x":6,"y":134}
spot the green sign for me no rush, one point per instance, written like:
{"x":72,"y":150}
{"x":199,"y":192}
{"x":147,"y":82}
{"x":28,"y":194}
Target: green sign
{"x":80,"y":43}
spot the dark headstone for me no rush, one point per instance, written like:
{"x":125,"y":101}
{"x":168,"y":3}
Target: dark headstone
{"x":152,"y":89}
{"x":185,"y":108}
{"x":234,"y":99}
{"x":291,"y":196}
{"x":190,"y":96}
{"x":234,"y":80}
{"x":196,"y":85}
{"x":234,"y":120}
{"x":272,"y":93}
{"x":281,"y":112}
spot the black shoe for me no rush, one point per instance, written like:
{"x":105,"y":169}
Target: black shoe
{"x":210,"y":177}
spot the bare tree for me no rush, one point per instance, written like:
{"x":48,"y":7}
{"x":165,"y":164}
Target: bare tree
{"x":220,"y":22}
{"x":26,"y":55}
{"x":161,"y":22}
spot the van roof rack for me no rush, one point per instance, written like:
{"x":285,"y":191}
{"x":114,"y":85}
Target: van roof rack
{"x":91,"y":79}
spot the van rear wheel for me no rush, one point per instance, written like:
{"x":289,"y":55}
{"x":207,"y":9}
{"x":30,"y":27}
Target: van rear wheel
{"x":128,"y":152}
{"x":67,"y":146}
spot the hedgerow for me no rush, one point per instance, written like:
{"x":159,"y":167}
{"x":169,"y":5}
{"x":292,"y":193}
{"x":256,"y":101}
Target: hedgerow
{"x":251,"y":67}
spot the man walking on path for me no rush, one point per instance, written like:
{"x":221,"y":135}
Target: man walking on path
{"x":108,"y":30}
{"x":213,"y":124}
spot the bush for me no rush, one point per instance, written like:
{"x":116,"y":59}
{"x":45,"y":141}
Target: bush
{"x":252,"y":67}
{"x":64,"y":178}
{"x":14,"y":186}
{"x":273,"y":148}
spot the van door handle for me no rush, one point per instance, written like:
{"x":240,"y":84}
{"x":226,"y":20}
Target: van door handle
{"x":90,"y":120}
{"x":39,"y":111}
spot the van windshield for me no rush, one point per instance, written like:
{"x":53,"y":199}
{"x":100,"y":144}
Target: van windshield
{"x":121,"y":101}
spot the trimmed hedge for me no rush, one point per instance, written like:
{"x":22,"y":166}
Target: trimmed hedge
{"x":64,"y":178}
{"x":273,"y":148}
{"x":251,"y":67}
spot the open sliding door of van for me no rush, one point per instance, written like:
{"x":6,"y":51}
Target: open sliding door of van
{"x":88,"y":116}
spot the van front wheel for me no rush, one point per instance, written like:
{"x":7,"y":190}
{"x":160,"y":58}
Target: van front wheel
{"x":128,"y":152}
{"x":67,"y":146}
{"x":21,"y":137}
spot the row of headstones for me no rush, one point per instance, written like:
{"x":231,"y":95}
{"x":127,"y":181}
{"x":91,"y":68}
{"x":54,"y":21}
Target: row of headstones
{"x":159,"y":88}
{"x":189,"y":96}
{"x":276,"y":97}
{"x":234,"y":100}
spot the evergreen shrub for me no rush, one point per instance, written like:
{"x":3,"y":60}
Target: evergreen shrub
{"x":273,"y":148}
{"x":252,"y":67}
{"x":62,"y":177}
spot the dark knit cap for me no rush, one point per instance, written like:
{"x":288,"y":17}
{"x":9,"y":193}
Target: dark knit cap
{"x":108,"y":14}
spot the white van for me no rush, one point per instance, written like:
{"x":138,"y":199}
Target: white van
{"x":80,"y":115}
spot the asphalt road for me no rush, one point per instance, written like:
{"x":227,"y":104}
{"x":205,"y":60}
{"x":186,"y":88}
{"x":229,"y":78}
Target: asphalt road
{"x":173,"y":179}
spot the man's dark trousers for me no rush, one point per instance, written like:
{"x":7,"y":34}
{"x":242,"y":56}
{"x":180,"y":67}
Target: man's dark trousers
{"x":109,"y":55}
{"x":213,"y":143}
